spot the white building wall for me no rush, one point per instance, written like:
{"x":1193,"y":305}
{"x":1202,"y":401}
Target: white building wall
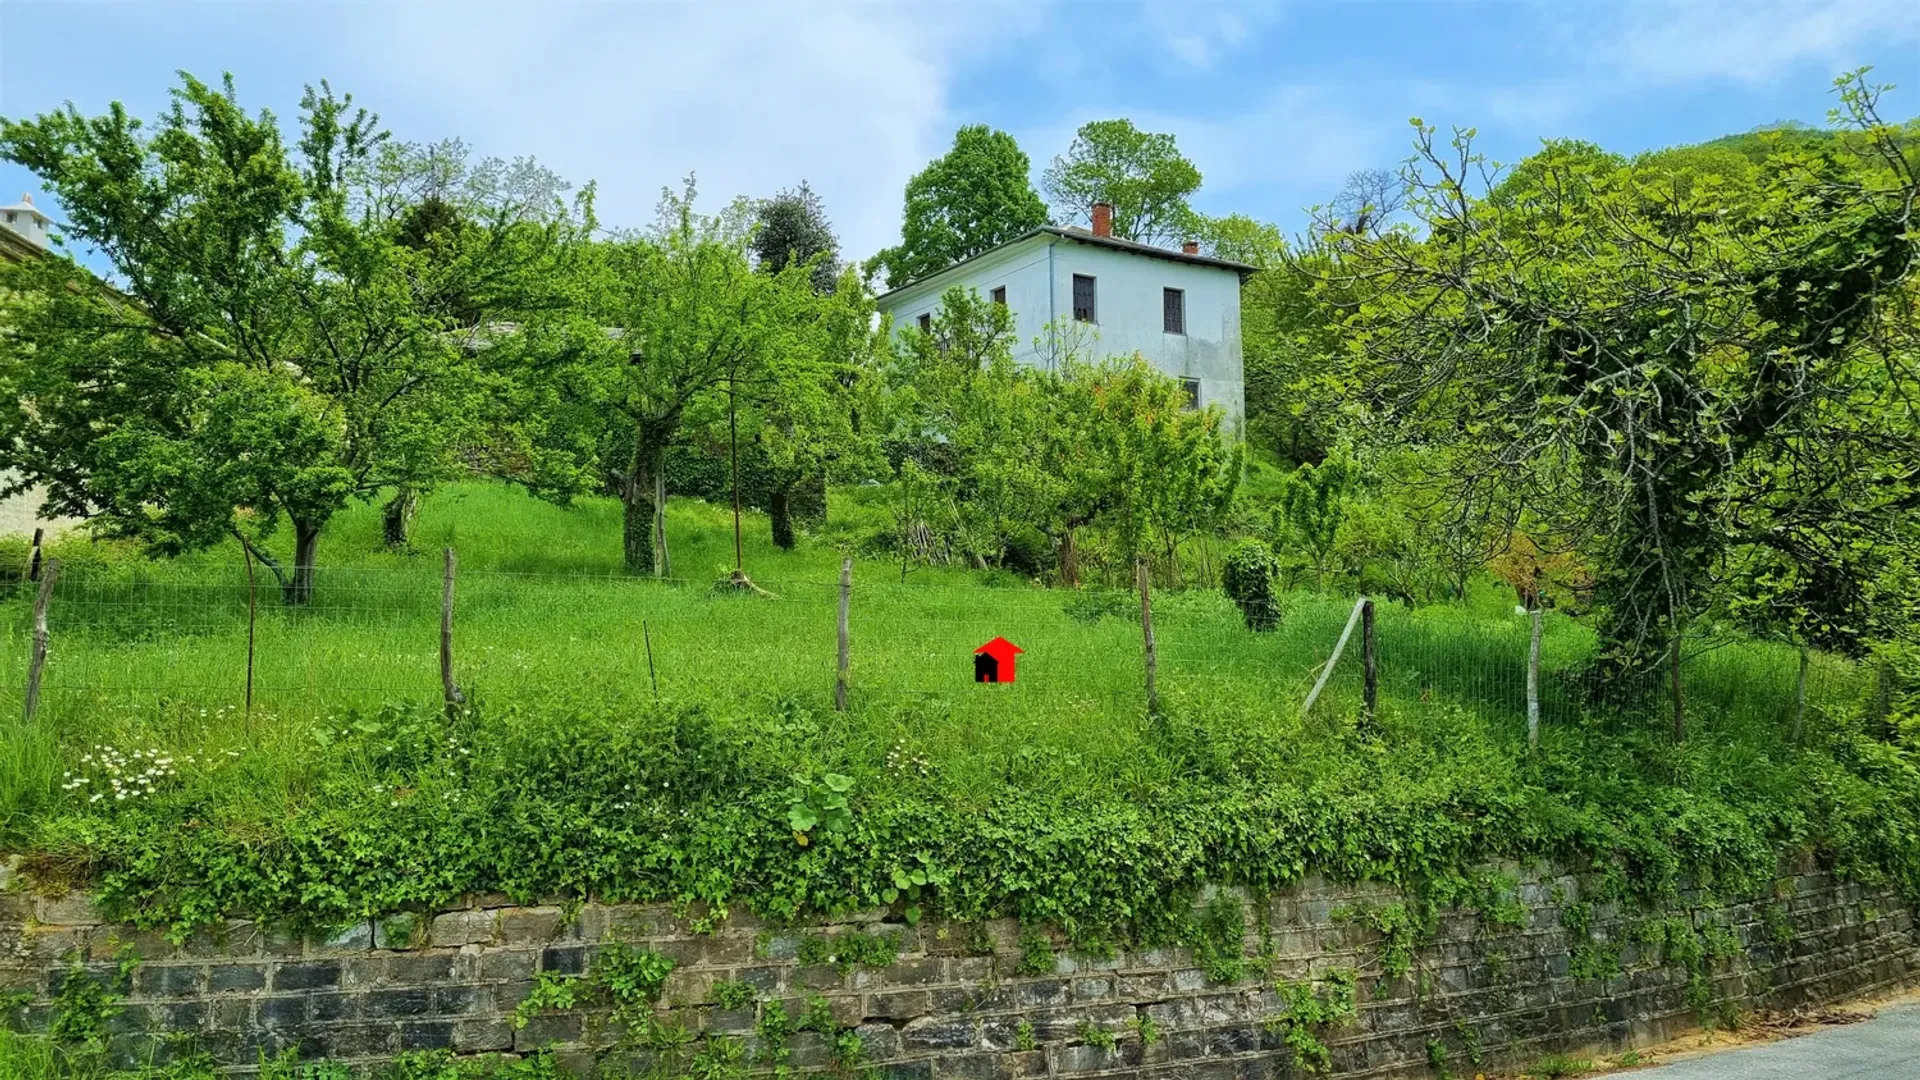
{"x":1038,"y":276}
{"x":1128,"y":317}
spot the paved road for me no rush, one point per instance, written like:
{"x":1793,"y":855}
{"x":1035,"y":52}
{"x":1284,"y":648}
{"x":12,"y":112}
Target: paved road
{"x":1886,"y":1047}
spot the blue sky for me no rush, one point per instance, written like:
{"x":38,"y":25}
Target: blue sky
{"x":1275,"y":103}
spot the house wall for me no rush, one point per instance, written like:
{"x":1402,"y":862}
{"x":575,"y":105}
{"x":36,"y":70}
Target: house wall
{"x":1038,"y":276}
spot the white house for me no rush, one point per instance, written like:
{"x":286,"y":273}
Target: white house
{"x":1178,"y":309}
{"x":23,"y":230}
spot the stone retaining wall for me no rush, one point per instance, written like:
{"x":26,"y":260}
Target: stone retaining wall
{"x":1544,"y":973}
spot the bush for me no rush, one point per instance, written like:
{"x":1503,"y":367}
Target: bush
{"x":1247,"y":578}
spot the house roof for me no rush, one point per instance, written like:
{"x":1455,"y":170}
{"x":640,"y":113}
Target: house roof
{"x":26,"y":204}
{"x":1086,"y":236}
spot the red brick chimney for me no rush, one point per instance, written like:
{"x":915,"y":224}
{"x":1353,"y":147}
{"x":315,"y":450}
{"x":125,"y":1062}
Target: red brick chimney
{"x":1190,"y":247}
{"x":1102,"y":219}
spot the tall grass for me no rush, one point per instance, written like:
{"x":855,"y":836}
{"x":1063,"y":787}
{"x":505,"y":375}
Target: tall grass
{"x":153,"y":653}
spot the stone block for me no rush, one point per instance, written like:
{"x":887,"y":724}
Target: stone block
{"x":400,"y":1001}
{"x":882,"y":1041}
{"x":548,"y":1028}
{"x":400,"y":930}
{"x":938,"y":1033}
{"x":899,"y":1005}
{"x":419,"y":969}
{"x":818,"y":977}
{"x":972,"y":1067}
{"x":166,"y":980}
{"x":1042,"y":993}
{"x":223,"y":978}
{"x":332,"y":1007}
{"x":307,"y":975}
{"x":507,"y":964}
{"x":351,"y":937}
{"x":462,"y":928}
{"x":1067,"y":1060}
{"x":288,"y":1011}
{"x":461,"y":1000}
{"x":766,"y":980}
{"x":426,"y":1035}
{"x":564,"y":959}
{"x":926,"y":971}
{"x":729,"y":1021}
{"x":73,"y":909}
{"x":478,"y":1035}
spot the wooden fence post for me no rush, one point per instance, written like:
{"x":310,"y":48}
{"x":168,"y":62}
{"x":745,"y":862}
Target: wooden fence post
{"x":38,"y":661}
{"x":247,"y":554}
{"x":451,"y":691}
{"x":1338,"y":648}
{"x":646,"y":635}
{"x":1533,"y":680}
{"x":846,"y":598}
{"x":1145,"y":580}
{"x":1370,"y":663}
{"x":33,"y":566}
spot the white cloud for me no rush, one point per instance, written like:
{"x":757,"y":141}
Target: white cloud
{"x":1754,"y":41}
{"x":854,"y":99}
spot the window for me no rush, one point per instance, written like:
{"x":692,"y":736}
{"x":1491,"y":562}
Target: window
{"x":1192,"y":387}
{"x":1173,"y":310}
{"x":1083,"y":299}
{"x":926,"y":323}
{"x":1000,"y":295}
{"x":10,"y":216}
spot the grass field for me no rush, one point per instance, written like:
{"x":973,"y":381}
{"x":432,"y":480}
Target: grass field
{"x":346,"y":791}
{"x":155,"y":652}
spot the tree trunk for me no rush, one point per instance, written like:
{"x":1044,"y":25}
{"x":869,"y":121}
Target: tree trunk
{"x":306,"y":540}
{"x":781,"y":512}
{"x":642,"y":491}
{"x":1069,"y":560}
{"x":636,"y":533}
{"x":396,"y":518}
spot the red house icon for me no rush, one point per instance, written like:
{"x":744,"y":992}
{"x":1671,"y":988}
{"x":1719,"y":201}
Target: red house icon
{"x":993,"y":662}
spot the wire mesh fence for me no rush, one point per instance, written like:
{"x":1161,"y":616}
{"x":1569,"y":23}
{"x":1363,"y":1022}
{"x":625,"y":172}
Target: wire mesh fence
{"x":129,"y":637}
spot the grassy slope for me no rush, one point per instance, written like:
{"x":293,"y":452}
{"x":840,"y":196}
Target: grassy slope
{"x":1063,"y":765}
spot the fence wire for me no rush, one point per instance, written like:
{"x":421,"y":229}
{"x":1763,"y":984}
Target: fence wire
{"x":128,"y":639}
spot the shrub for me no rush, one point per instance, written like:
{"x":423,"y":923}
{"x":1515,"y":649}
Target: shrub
{"x":1247,"y":578}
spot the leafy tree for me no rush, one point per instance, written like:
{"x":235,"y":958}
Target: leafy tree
{"x":1141,"y":173}
{"x":659,"y":330}
{"x":793,"y":228}
{"x":270,"y":349}
{"x":1239,"y":238}
{"x":1005,"y":451}
{"x":1680,"y":372}
{"x":1313,"y":505}
{"x":975,"y":197}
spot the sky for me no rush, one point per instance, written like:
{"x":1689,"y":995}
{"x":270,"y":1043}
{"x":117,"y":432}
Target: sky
{"x":1274,"y":102}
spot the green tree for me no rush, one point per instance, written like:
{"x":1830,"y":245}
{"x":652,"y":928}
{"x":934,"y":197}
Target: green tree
{"x":975,"y":197}
{"x":1313,"y":505}
{"x":1142,"y":174}
{"x":1680,"y":371}
{"x":793,"y":228}
{"x":658,"y":329}
{"x":269,"y":350}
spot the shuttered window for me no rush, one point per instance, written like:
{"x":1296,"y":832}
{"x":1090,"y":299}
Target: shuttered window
{"x":1173,"y":310}
{"x":926,"y":324}
{"x":1192,"y":387}
{"x":1083,"y":298}
{"x":1000,"y":295}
